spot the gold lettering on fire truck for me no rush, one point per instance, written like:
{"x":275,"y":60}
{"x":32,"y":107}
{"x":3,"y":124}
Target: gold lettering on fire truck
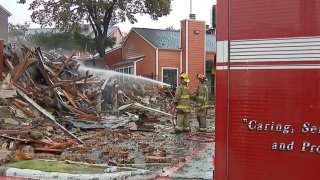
{"x":308,"y":147}
{"x":254,"y":125}
{"x":307,"y":128}
{"x":285,"y":129}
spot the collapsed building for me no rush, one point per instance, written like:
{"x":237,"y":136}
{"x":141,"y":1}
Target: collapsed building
{"x":53,"y":107}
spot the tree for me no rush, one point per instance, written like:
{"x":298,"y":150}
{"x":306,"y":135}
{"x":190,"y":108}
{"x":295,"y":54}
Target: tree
{"x":65,"y":40}
{"x":18,"y":31}
{"x":68,"y":14}
{"x":21,"y":1}
{"x":171,"y":28}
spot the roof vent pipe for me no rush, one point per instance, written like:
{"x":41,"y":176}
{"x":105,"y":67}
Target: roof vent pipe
{"x":191,"y":15}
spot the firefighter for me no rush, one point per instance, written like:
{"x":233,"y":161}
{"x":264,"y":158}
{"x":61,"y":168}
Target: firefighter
{"x":202,"y":102}
{"x":183,"y":104}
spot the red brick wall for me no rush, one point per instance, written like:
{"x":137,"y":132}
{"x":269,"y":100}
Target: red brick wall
{"x":135,"y":46}
{"x":196,"y":49}
{"x":169,"y":58}
{"x":113,"y":57}
{"x":210,"y":56}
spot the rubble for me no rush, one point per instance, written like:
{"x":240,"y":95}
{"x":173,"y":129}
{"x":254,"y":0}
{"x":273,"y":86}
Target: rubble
{"x":49,"y":109}
{"x":142,"y":107}
{"x":5,"y":156}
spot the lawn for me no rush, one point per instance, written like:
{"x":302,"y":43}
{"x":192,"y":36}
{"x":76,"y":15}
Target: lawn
{"x":56,"y":166}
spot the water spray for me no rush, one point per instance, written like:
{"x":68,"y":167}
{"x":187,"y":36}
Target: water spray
{"x":107,"y":75}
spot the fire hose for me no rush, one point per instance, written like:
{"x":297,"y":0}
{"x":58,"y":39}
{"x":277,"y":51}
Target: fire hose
{"x":206,"y":137}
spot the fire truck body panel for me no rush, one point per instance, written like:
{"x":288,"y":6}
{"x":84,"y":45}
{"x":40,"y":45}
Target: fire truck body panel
{"x":268,"y":89}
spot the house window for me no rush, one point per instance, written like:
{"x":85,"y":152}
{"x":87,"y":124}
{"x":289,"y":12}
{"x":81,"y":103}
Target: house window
{"x":170,"y":76}
{"x":125,"y":70}
{"x":131,"y":70}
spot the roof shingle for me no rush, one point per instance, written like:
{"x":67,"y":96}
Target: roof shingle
{"x":169,"y":39}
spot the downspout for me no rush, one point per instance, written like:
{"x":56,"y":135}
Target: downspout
{"x":135,"y":68}
{"x":187,"y":48}
{"x":205,"y":51}
{"x":180,"y":61}
{"x":157,"y":64}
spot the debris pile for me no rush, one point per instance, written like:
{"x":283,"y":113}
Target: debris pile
{"x":49,"y":107}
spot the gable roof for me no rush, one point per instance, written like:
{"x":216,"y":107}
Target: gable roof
{"x":169,"y":39}
{"x":161,"y":38}
{"x":1,"y":7}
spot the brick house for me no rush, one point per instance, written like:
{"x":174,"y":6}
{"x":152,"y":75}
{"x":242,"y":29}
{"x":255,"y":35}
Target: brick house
{"x":113,"y":32}
{"x":4,"y":15}
{"x":163,"y":54}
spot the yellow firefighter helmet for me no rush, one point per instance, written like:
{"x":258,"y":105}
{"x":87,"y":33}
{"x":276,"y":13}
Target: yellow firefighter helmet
{"x":185,"y":77}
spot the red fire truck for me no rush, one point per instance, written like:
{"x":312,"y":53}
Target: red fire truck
{"x":268,"y":90}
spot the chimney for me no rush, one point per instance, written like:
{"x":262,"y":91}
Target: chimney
{"x":193,"y":34}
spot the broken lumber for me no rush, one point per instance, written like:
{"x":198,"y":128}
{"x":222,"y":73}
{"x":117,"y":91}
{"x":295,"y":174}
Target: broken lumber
{"x":48,"y":115}
{"x":46,"y":150}
{"x":14,"y":138}
{"x":21,"y":67}
{"x":14,"y":132}
{"x":24,"y":110}
{"x":157,"y":159}
{"x":69,"y":98}
{"x":8,"y":64}
{"x":67,"y":82}
{"x":84,"y":98}
{"x":61,"y":145}
{"x":142,"y":107}
{"x":20,"y":102}
{"x":64,"y":64}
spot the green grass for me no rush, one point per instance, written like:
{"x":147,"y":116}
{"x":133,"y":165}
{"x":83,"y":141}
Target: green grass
{"x":55,"y":166}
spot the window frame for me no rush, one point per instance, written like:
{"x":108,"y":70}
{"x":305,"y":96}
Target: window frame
{"x":170,"y":68}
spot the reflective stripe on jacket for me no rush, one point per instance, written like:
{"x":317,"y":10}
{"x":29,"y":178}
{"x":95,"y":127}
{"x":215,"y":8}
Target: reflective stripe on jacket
{"x":202,"y":97}
{"x":182,"y":98}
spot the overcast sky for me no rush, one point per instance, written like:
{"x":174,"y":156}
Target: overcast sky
{"x":180,"y":11}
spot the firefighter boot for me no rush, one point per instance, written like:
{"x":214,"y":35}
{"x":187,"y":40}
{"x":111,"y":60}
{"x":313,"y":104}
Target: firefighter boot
{"x":203,"y":124}
{"x":179,"y":125}
{"x":186,"y":122}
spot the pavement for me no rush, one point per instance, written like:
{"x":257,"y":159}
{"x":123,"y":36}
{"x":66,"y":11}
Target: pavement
{"x":198,"y":165}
